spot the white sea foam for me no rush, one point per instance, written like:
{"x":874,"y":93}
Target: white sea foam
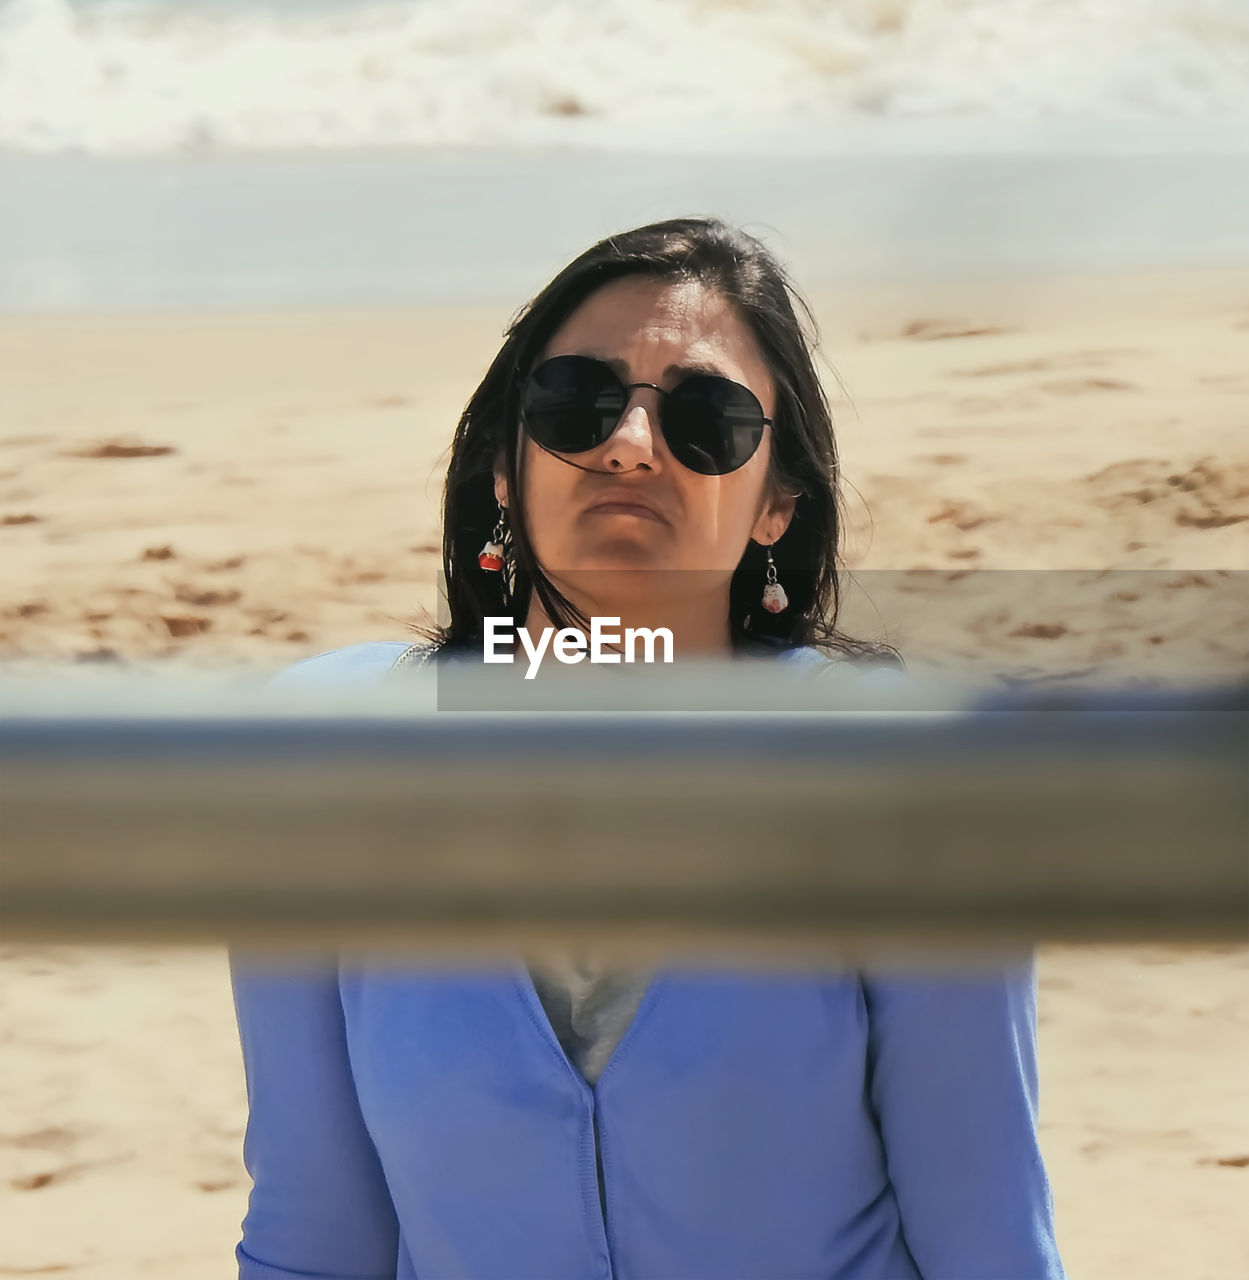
{"x":113,"y":77}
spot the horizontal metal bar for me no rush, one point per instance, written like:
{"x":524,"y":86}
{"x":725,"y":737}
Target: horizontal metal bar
{"x":1116,"y":816}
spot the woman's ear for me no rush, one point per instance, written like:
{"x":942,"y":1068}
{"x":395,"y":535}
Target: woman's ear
{"x":774,"y":518}
{"x":500,"y":485}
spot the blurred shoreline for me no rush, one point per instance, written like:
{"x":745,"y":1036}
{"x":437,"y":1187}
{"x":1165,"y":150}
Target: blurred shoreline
{"x":479,"y":226}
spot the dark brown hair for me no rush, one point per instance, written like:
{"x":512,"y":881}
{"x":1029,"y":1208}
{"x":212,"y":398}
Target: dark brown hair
{"x":741,"y":269}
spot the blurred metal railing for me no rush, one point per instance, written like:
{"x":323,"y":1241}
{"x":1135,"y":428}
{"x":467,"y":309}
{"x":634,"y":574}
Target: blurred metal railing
{"x":804,"y":819}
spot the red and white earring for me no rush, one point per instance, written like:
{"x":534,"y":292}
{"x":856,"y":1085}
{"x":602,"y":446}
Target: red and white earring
{"x":774,"y":598}
{"x":491,"y":555}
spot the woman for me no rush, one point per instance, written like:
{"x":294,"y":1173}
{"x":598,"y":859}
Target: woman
{"x":651,"y":444}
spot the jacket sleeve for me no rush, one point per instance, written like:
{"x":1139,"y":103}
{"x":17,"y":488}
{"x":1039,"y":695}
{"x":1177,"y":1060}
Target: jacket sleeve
{"x":953,"y":1074}
{"x":319,"y":1204}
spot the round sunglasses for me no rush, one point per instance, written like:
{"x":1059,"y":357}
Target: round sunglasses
{"x":712,"y":425}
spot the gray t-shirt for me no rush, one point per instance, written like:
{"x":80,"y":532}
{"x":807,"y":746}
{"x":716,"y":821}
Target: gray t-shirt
{"x":589,"y":1004}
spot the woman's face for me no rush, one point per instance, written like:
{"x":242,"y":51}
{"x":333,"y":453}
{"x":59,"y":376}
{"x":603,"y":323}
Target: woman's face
{"x":684,"y":531}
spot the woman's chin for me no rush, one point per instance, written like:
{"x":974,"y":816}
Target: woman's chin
{"x":621,"y":555}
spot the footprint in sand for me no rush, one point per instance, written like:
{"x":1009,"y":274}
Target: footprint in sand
{"x":1082,"y":386}
{"x":26,"y":517}
{"x":49,"y":1139}
{"x":49,"y":1177}
{"x":961,"y":515}
{"x":223,"y":1184}
{"x":937,"y":329}
{"x":940,"y":329}
{"x":202,"y":599}
{"x":1201,"y":496}
{"x":1097,"y":359}
{"x":98,"y":655}
{"x":1040,"y":630}
{"x":120,"y":449}
{"x":1211,"y":520}
{"x":182,"y":625}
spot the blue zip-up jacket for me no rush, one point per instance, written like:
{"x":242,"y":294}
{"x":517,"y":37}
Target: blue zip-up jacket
{"x":427,"y":1125}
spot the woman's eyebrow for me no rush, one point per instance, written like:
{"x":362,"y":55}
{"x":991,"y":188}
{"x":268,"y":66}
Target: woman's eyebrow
{"x":618,"y":366}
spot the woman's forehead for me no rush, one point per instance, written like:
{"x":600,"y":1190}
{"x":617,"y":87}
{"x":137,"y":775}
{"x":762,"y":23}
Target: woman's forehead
{"x":677,"y":325}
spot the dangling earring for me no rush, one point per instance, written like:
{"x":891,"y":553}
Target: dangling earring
{"x":774,"y":598}
{"x":491,"y":555}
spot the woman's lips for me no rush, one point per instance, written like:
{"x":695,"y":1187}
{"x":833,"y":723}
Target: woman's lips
{"x":626,"y":509}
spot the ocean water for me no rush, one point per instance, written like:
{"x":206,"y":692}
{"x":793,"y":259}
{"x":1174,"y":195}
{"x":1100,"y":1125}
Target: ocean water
{"x":117,"y":77}
{"x":268,"y":153}
{"x":384,"y":228}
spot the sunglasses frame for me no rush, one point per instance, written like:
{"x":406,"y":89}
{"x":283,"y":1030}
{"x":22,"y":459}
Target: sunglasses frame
{"x":628,"y":388}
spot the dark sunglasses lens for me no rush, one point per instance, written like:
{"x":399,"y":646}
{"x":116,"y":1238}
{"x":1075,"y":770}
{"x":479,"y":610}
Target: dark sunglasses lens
{"x":712,"y":425}
{"x":571,"y":404}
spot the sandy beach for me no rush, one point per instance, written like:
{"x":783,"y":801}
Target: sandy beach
{"x":1043,"y":480}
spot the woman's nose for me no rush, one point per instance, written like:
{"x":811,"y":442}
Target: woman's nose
{"x":632,"y":444}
